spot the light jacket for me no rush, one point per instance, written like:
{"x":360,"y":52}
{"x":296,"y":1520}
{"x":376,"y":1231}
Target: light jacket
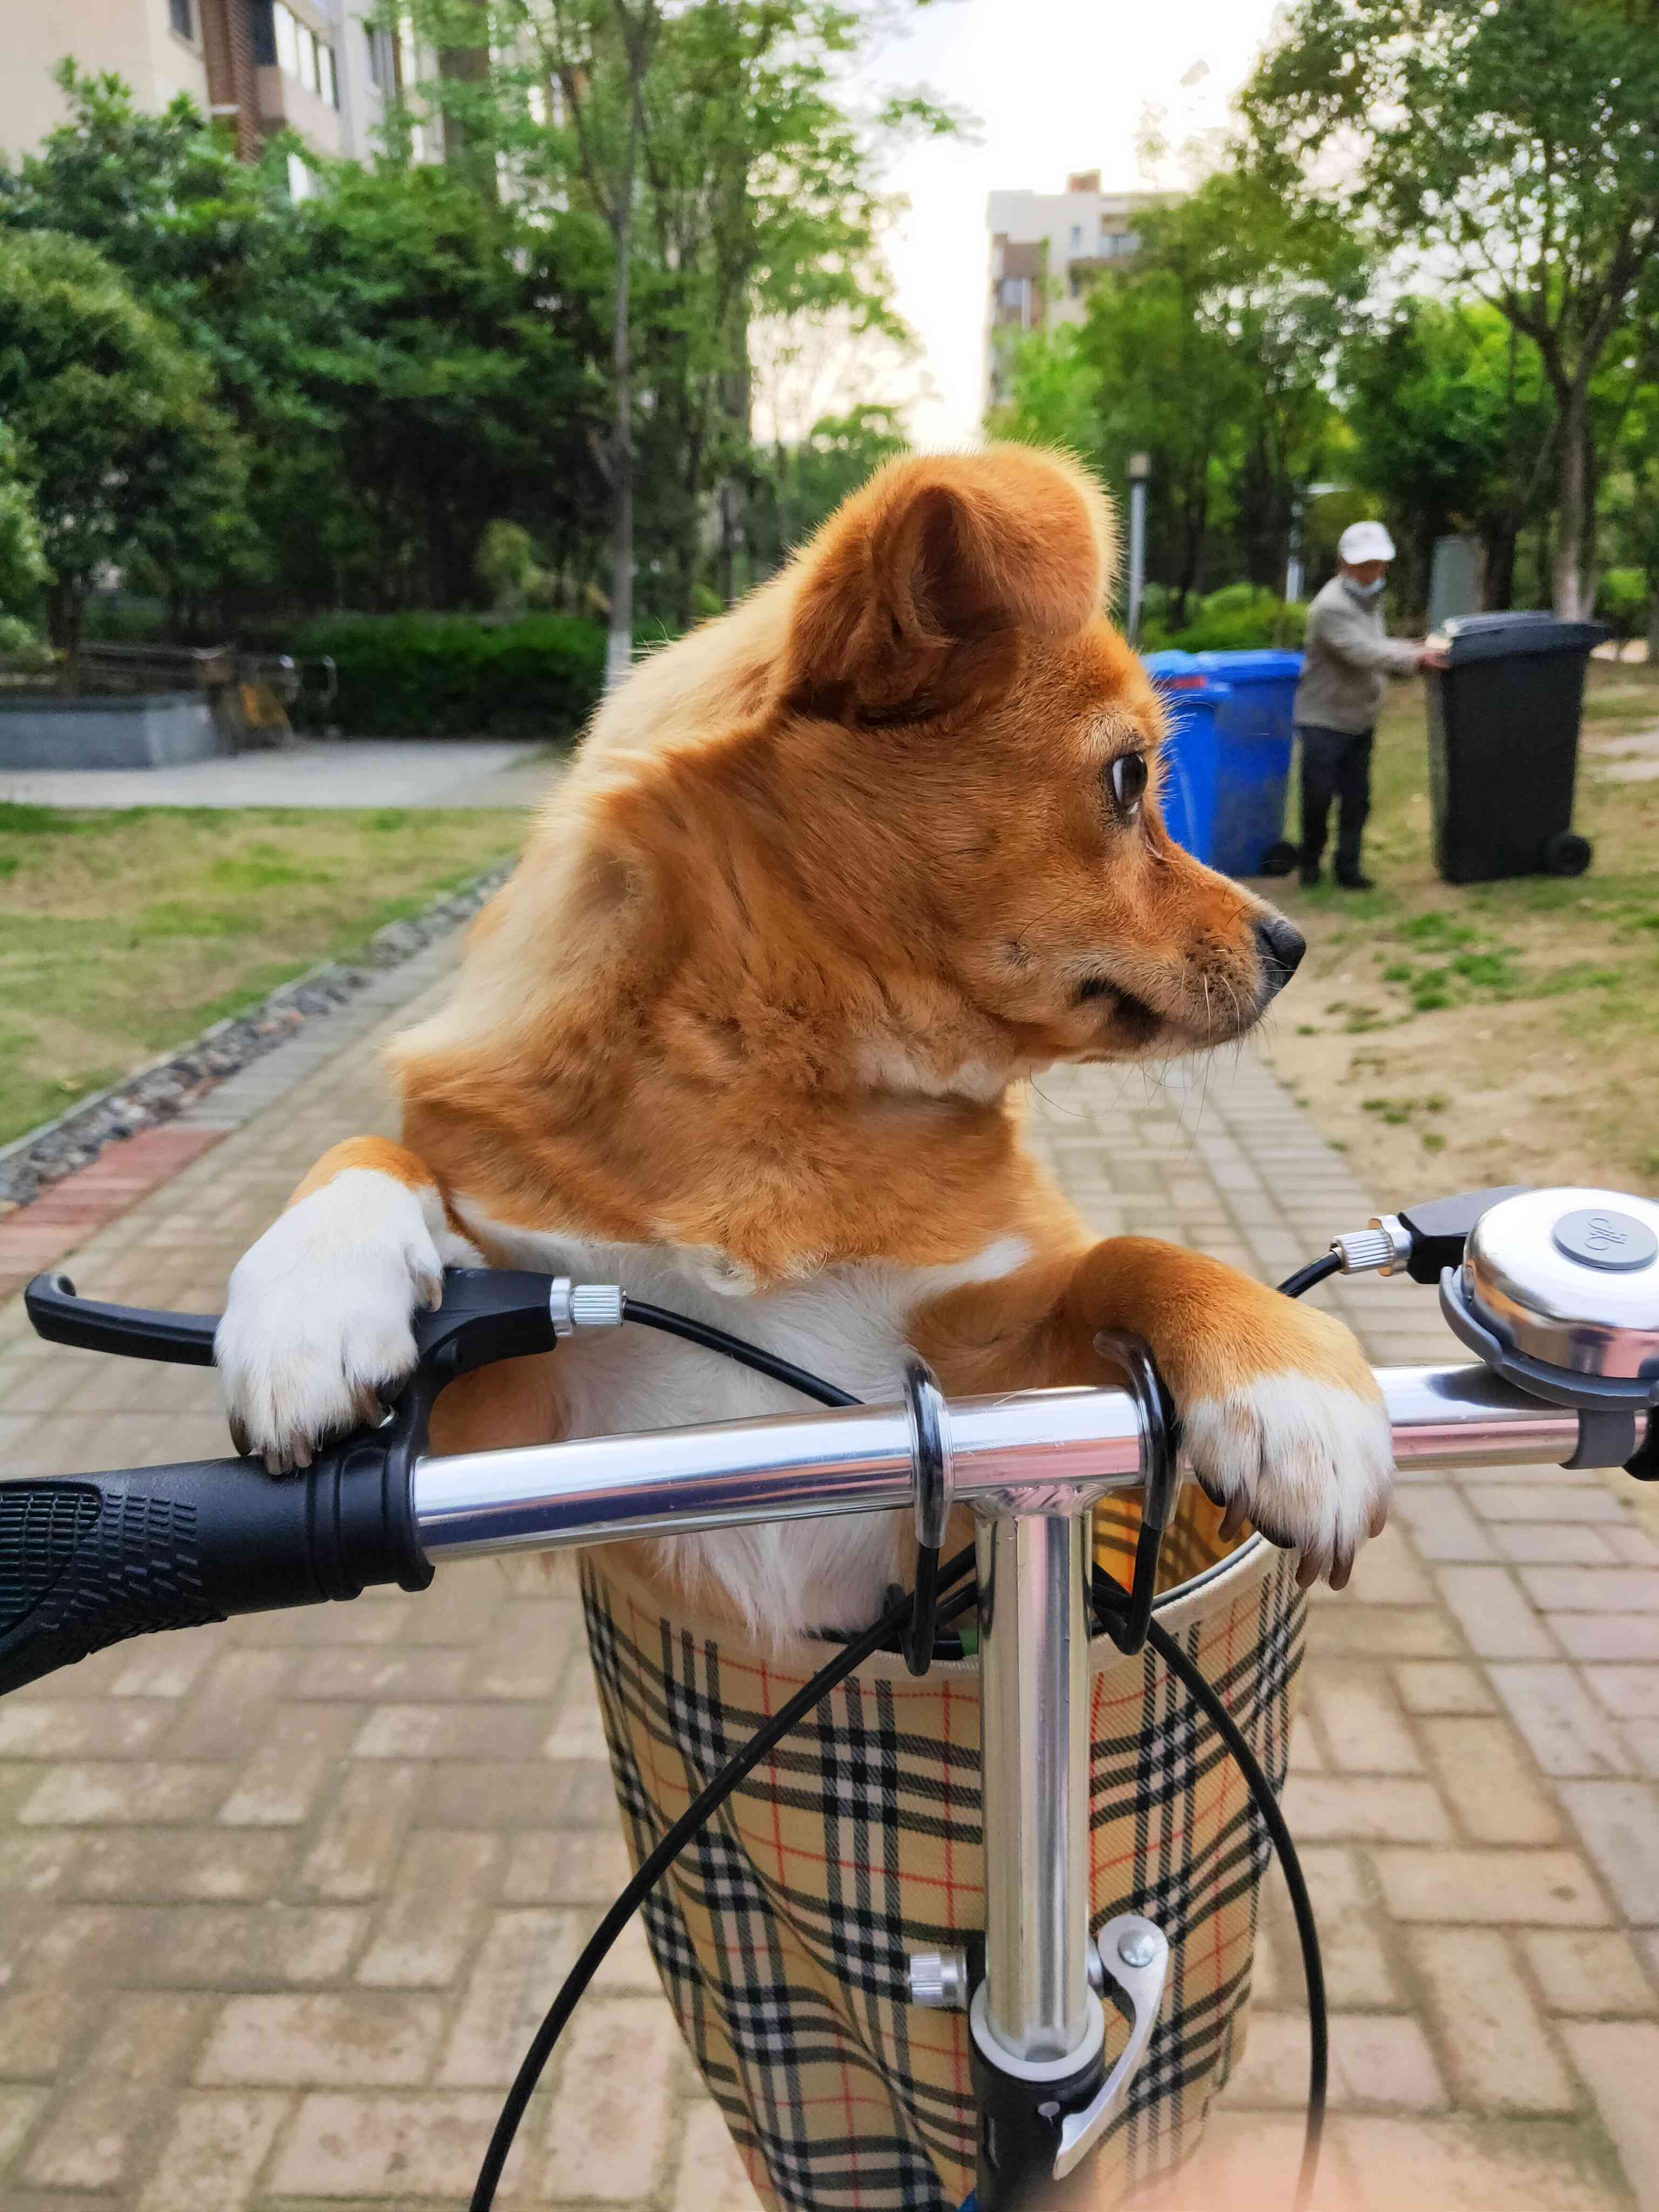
{"x":1347,"y":659}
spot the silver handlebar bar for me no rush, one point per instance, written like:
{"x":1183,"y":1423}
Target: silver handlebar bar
{"x":1030,"y":1452}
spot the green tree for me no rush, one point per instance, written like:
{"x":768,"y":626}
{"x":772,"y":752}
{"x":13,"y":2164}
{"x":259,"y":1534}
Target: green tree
{"x":754,"y":194}
{"x":1517,"y":146}
{"x":1453,"y":429}
{"x":23,"y":570}
{"x":125,"y":457}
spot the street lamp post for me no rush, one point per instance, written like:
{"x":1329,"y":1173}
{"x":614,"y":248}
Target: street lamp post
{"x":1140,"y":467}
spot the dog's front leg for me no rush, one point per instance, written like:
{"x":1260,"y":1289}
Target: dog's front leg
{"x":1280,"y":1414}
{"x":317,"y":1321}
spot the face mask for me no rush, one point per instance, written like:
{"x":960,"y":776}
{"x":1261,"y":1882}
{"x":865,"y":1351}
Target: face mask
{"x":1366,"y":591}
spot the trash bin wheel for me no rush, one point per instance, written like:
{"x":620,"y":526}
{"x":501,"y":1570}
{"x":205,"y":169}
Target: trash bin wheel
{"x":1567,"y":854}
{"x":1281,"y":859}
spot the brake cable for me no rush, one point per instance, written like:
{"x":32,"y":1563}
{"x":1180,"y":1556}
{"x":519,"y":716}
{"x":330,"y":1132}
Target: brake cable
{"x":902,"y":1618}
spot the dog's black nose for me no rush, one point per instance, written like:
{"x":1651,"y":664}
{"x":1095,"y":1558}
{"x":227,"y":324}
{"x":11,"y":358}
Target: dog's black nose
{"x":1282,"y":945}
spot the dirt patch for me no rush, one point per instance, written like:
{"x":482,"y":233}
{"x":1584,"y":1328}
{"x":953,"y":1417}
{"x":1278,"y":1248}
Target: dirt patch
{"x":1447,"y":1036}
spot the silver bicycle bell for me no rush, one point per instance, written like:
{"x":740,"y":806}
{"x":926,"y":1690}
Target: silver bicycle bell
{"x":1558,"y":1291}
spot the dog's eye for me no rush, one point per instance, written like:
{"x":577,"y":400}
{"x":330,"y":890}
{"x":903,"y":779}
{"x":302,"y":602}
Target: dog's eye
{"x":1128,"y":774}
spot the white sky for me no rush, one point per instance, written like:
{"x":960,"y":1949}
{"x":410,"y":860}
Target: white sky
{"x":1057,"y":86}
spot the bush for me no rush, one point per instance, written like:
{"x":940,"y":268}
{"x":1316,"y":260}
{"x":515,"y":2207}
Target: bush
{"x":454,"y":676}
{"x":1238,"y":618}
{"x":1622,"y":601}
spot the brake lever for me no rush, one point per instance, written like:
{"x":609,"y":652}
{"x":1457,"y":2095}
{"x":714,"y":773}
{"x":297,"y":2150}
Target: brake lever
{"x":486,"y":1313}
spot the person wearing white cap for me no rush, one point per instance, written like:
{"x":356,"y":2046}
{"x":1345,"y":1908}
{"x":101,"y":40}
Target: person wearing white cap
{"x":1347,"y":659}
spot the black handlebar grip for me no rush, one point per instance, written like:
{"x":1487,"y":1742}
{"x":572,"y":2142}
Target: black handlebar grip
{"x":87,"y":1560}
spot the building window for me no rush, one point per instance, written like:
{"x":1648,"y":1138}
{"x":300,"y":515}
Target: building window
{"x":1077,"y":238}
{"x":181,"y":14}
{"x":296,"y":50}
{"x":382,"y":61}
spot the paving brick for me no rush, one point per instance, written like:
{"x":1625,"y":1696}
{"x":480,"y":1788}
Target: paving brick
{"x":523,"y":1956}
{"x":1366,"y":1809}
{"x":1362,"y":1723}
{"x":553,"y":1869}
{"x":366,"y":2039}
{"x":709,"y":2177}
{"x":230,"y":1707}
{"x":608,"y":2131}
{"x":1442,"y":1685}
{"x":1488,"y":1781}
{"x":1595,"y":1976}
{"x":1371,"y":1631}
{"x":297,"y":1757}
{"x":226,"y":1947}
{"x":358,"y":1842}
{"x":159,"y":1865}
{"x":1619,"y":1822}
{"x":1461,"y":2163}
{"x":1551,"y":1543}
{"x":100,"y":2129}
{"x":1497,"y":2050}
{"x":1592,"y":1589}
{"x":353,"y":2144}
{"x":213,"y":2156}
{"x":1615,"y":1636}
{"x":1493,"y":1611}
{"x":79,"y":1729}
{"x":106,"y":1793}
{"x":496,"y":1731}
{"x":1442,"y":1525}
{"x":1537,"y":1888}
{"x":1358,"y":1972}
{"x":1381,"y":2060}
{"x":1544,"y":1500}
{"x":1629,"y":1692}
{"x":442,"y":1887}
{"x":1568,"y":1732}
{"x":1616,"y":2062}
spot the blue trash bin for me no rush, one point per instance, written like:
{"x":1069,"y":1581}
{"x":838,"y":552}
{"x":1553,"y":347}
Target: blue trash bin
{"x":1255,"y":731}
{"x":1195,"y":699}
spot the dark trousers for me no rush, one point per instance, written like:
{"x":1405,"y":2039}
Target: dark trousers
{"x":1336,"y":764}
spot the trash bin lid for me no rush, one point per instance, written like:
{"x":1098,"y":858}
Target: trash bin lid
{"x":1268,"y":664}
{"x":1517,"y":630}
{"x":1173,"y":670}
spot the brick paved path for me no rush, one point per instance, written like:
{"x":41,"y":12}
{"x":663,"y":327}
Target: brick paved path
{"x":280,"y":1902}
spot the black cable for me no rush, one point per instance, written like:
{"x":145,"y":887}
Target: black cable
{"x":1204,"y":1696}
{"x":696,"y":1815}
{"x":747,"y":1355}
{"x":1317,"y":1271}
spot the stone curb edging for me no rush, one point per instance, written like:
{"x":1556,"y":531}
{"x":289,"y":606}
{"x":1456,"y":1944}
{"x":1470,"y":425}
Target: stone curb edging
{"x":164,"y":1086}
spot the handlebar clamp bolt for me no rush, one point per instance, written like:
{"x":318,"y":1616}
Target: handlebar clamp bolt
{"x":938,"y":1980}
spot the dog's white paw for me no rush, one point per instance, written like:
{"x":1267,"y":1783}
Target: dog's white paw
{"x":1309,"y":1463}
{"x":317,"y":1321}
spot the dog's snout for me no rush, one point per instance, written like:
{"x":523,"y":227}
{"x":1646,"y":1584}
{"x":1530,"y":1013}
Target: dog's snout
{"x":1282,"y":945}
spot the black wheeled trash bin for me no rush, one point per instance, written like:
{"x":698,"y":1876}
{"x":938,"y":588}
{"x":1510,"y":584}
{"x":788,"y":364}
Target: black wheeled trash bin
{"x":1504,"y":745}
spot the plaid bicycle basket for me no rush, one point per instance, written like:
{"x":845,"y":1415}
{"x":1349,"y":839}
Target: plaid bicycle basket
{"x":782,"y":1933}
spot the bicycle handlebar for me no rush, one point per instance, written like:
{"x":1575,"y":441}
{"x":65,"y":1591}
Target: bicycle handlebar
{"x":89,"y":1560}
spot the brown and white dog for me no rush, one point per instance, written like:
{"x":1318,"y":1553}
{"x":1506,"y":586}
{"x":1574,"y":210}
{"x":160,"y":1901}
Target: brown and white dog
{"x":831,"y":877}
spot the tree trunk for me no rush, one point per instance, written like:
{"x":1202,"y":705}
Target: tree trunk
{"x":1568,"y":564}
{"x":1653,"y":622}
{"x":1498,"y":580}
{"x":619,"y":645}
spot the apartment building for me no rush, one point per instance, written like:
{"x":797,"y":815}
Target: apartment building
{"x":315,"y":67}
{"x":1047,"y":248}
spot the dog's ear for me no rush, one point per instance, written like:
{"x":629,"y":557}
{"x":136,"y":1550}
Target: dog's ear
{"x":936,"y":554}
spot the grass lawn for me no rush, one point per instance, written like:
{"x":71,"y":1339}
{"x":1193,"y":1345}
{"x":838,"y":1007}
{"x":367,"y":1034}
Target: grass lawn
{"x":1449,"y":1035}
{"x":122,"y":933}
